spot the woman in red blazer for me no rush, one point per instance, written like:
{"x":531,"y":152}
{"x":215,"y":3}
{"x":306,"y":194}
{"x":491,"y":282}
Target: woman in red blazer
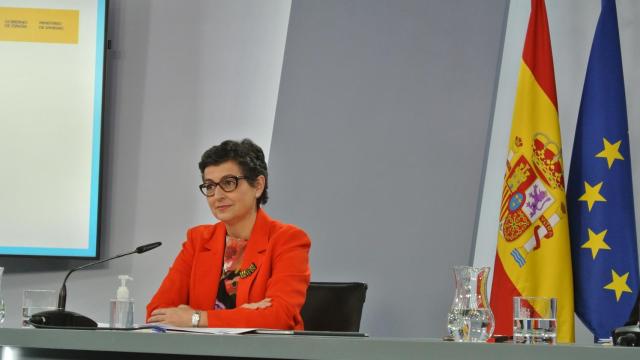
{"x":247,"y":270}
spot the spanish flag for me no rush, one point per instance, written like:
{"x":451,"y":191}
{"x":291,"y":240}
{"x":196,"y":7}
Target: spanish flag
{"x":533,"y":255}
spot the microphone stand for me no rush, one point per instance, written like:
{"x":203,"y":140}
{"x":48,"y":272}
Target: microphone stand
{"x":61,"y":317}
{"x":62,"y":295}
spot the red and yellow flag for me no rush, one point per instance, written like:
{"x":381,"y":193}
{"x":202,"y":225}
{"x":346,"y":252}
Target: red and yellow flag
{"x":533,"y":254}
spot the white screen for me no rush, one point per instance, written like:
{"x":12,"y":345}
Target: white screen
{"x":51,"y":86}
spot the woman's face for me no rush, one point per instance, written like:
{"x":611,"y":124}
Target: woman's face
{"x":233,"y":206}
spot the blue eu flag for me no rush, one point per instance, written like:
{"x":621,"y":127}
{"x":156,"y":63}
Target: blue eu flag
{"x":599,"y":192}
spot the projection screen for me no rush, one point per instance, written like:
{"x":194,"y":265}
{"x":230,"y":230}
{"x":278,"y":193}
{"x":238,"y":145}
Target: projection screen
{"x":51,"y":103}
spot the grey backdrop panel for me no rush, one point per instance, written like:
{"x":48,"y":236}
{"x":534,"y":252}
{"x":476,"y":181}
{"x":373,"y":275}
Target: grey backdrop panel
{"x":379,"y":142}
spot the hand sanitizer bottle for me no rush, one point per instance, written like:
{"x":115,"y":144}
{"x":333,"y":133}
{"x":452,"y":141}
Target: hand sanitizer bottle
{"x":121,"y":315}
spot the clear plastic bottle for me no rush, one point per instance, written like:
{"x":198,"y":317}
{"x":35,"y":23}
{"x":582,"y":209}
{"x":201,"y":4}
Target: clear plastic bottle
{"x":121,"y":311}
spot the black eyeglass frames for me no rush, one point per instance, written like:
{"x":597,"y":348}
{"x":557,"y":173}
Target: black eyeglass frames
{"x":227,"y":184}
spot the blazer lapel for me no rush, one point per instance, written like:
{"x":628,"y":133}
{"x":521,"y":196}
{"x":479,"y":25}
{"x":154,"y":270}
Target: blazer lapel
{"x":207,"y":269}
{"x":254,"y":254}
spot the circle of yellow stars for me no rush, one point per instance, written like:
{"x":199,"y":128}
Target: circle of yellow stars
{"x":596,"y":241}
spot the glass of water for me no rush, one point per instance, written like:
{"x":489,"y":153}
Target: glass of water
{"x":35,"y":301}
{"x":2,"y":305}
{"x":534,"y":320}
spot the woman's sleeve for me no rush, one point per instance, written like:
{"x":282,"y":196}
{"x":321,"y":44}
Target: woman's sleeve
{"x":174,"y":289}
{"x":286,"y":288}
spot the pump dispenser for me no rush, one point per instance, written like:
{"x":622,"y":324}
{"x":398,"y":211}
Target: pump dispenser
{"x":123,"y":292}
{"x":121,"y":314}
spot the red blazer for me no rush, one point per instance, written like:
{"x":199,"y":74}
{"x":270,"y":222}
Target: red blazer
{"x":281,"y":255}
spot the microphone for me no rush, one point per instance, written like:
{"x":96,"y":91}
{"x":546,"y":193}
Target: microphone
{"x":63,"y":318}
{"x":144,"y":248}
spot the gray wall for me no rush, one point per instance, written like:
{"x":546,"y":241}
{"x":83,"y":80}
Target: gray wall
{"x":378,"y":146}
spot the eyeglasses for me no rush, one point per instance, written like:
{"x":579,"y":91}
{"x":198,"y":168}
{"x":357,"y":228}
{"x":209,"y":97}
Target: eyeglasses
{"x":227,"y":184}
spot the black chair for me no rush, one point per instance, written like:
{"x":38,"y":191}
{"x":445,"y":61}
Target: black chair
{"x":334,"y":306}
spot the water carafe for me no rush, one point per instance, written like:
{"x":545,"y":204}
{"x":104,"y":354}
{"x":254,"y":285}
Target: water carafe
{"x":470,"y":318}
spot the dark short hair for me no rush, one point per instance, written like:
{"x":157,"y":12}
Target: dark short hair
{"x":246,"y":154}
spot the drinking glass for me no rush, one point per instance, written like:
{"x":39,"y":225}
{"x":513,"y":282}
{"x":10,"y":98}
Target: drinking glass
{"x":534,"y":320}
{"x":35,"y":301}
{"x":2,"y":305}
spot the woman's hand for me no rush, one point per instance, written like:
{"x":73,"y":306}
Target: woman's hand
{"x":181,"y":316}
{"x":264,"y":303}
{"x":177,"y":316}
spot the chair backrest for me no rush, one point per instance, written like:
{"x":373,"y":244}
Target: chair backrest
{"x":334,"y":306}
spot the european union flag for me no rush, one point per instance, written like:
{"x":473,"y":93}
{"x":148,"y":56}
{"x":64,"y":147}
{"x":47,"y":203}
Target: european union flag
{"x":599,"y":193}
